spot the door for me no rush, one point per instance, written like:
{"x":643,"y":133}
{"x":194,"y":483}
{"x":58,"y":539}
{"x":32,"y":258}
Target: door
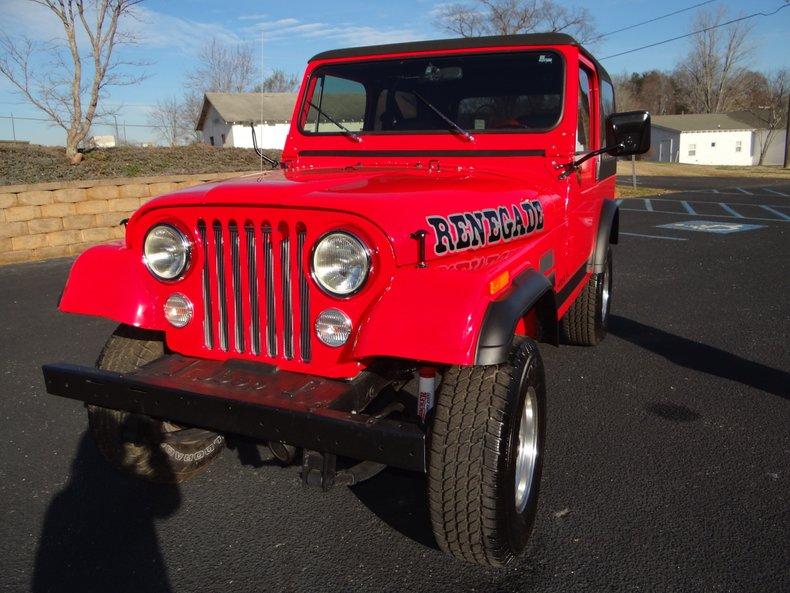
{"x":582,"y":213}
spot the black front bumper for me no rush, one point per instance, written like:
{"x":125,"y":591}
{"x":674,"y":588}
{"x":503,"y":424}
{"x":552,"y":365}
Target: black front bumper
{"x":252,"y":400}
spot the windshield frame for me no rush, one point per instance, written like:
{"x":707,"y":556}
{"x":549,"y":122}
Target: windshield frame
{"x":315,"y":74}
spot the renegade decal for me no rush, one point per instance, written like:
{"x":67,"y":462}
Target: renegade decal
{"x":470,"y":230}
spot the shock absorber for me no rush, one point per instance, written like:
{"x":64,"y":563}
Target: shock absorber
{"x":427,"y":391}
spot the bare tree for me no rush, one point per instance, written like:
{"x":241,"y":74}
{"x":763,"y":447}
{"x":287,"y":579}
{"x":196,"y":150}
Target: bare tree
{"x":222,"y":68}
{"x":768,"y":104}
{"x":509,"y":17}
{"x":654,"y":91}
{"x":278,"y":82}
{"x":715,"y":63}
{"x":62,"y":85}
{"x":167,"y":116}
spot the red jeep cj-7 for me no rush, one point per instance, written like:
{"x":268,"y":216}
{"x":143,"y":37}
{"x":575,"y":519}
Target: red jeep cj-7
{"x":440,"y":208}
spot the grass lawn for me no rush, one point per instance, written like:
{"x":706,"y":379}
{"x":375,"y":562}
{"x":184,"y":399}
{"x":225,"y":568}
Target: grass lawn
{"x":31,"y":163}
{"x":651,"y":169}
{"x":628,"y":191}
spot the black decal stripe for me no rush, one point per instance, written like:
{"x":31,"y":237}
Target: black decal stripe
{"x":423,"y":153}
{"x":569,"y":287}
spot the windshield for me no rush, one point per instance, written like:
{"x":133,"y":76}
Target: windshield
{"x":480,"y":93}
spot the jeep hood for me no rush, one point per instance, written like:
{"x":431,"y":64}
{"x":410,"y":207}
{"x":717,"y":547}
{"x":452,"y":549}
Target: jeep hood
{"x":397,"y":200}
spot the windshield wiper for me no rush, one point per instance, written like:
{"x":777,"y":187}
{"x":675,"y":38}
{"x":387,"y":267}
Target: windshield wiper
{"x":346,"y":131}
{"x":446,"y":119}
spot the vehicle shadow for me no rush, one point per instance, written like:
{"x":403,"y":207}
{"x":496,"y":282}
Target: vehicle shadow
{"x":701,"y":357}
{"x":99,"y":533}
{"x":399,"y":498}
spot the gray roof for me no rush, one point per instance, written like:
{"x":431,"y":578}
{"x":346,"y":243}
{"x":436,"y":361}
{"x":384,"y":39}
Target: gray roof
{"x":249,"y":107}
{"x":698,"y":122}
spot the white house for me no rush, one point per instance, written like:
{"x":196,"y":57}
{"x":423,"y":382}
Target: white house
{"x":736,"y":138}
{"x":225,"y":119}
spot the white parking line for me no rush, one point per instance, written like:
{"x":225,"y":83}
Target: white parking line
{"x":743,"y":191}
{"x":715,"y":191}
{"x":706,"y":215}
{"x":730,"y":210}
{"x":688,"y":207}
{"x":778,"y":193}
{"x":654,"y":236}
{"x":649,"y":205}
{"x":779,"y":214}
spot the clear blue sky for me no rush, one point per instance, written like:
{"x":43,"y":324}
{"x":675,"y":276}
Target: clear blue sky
{"x":173,"y":30}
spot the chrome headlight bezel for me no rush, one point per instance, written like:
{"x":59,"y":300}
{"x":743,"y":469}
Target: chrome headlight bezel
{"x":183,"y":242}
{"x":317,"y":278}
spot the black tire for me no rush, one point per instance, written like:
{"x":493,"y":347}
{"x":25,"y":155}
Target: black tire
{"x":472,"y":454}
{"x":585,"y":322}
{"x":134,"y":443}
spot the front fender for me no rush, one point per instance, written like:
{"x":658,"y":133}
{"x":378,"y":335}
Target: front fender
{"x":108,"y":281}
{"x":410,"y":322}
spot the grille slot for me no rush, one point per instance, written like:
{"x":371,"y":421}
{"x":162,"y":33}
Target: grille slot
{"x":252,"y":282}
{"x":268,"y":275}
{"x":304,"y":297}
{"x":254,"y":278}
{"x":285,"y":274}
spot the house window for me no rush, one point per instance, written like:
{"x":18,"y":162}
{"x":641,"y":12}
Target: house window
{"x":738,"y":146}
{"x":692,"y":149}
{"x":223,"y":139}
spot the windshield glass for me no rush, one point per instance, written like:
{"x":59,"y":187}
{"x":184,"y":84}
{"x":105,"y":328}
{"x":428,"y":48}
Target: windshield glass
{"x":480,"y":93}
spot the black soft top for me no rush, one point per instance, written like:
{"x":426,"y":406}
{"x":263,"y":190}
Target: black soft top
{"x":529,"y":39}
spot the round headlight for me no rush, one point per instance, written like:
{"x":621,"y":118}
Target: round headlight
{"x":166,"y":251}
{"x":341,"y":263}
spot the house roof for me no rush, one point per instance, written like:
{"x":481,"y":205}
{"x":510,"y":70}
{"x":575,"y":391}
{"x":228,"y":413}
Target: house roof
{"x":249,"y":107}
{"x":699,"y":122}
{"x":528,"y":39}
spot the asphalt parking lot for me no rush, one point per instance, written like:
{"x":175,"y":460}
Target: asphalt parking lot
{"x":667,"y":469}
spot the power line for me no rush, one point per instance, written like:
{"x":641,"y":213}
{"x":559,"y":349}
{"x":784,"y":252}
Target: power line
{"x":743,"y":18}
{"x":96,"y":123}
{"x":658,"y":18}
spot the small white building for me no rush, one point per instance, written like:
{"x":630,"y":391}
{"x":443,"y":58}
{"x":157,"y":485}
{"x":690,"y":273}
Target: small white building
{"x":734,"y":138}
{"x":225,"y":119}
{"x":107,"y":141}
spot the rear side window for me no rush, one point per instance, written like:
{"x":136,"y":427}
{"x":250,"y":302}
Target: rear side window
{"x":607,"y":106}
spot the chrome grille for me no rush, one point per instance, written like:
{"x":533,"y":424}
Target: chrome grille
{"x":255,"y":288}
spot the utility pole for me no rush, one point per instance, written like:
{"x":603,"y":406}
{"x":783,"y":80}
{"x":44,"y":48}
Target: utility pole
{"x":13,"y":131}
{"x":787,"y":135}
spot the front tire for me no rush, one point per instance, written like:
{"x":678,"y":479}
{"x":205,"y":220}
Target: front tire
{"x":586,"y":321}
{"x":485,"y":457}
{"x":133,"y":443}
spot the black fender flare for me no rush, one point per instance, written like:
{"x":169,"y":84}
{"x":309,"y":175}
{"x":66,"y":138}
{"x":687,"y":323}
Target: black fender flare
{"x":608,"y":232}
{"x":529,"y":289}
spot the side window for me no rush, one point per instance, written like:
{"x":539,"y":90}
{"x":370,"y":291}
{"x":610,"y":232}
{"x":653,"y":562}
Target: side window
{"x":583,"y":139}
{"x":607,"y":107}
{"x":338,"y":100}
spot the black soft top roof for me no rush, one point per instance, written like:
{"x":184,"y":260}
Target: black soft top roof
{"x":462,"y":43}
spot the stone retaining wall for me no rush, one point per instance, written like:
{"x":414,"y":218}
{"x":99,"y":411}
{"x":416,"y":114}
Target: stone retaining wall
{"x":45,"y":220}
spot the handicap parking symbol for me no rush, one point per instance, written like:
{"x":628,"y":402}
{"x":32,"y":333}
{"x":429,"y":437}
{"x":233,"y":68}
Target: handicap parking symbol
{"x":707,"y":226}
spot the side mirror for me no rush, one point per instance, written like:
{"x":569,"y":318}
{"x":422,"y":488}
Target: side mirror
{"x":628,"y":133}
